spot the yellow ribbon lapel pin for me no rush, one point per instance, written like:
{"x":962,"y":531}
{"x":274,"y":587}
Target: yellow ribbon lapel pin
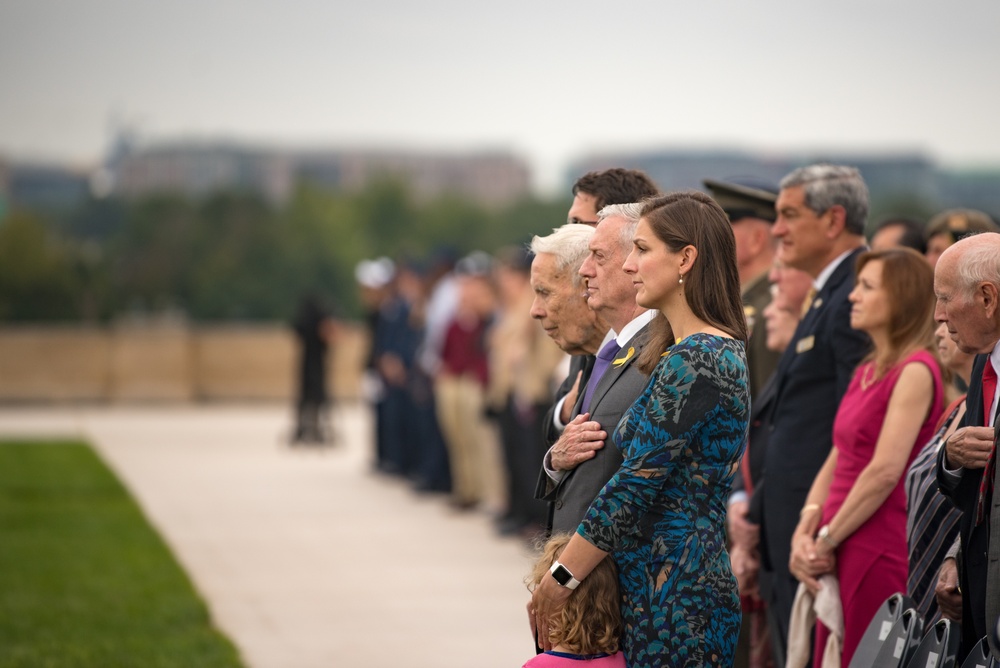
{"x":621,"y":360}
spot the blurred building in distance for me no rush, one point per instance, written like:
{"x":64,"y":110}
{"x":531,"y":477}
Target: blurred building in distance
{"x":195,"y":169}
{"x":975,"y":189}
{"x":198,"y":168}
{"x":41,"y":186}
{"x":490,"y":178}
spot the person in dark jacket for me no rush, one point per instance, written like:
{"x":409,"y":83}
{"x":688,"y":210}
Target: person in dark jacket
{"x":314,"y":329}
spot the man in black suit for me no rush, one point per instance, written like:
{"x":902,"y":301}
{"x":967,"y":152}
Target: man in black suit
{"x":822,"y":211}
{"x":789,"y":288}
{"x":584,"y":458}
{"x":967,"y":287}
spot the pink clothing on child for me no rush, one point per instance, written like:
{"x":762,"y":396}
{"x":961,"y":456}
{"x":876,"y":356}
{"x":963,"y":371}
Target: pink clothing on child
{"x":562,"y":660}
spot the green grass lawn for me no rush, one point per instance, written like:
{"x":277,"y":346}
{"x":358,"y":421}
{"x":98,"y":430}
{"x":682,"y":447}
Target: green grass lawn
{"x":84,"y":579}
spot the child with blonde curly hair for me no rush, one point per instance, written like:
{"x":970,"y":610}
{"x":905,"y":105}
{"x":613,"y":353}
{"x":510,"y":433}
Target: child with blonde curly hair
{"x":587,"y":630}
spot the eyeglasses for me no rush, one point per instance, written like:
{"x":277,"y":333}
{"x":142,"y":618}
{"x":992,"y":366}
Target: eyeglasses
{"x":577,"y":221}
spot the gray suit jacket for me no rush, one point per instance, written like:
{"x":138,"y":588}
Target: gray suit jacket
{"x":617,"y":390}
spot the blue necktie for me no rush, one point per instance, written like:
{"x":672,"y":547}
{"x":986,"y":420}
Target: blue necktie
{"x":601,"y":364}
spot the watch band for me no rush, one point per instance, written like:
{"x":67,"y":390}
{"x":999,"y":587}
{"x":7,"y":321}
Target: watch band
{"x":563,"y":576}
{"x":824,"y":535}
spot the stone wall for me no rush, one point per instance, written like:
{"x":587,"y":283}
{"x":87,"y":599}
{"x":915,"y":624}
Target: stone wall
{"x":165,"y":362}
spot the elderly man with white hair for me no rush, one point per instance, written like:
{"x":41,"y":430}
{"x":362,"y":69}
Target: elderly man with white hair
{"x":967,"y":287}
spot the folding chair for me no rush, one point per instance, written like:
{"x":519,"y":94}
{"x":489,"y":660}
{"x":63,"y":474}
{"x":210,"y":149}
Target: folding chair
{"x":939,"y":647}
{"x":878,"y":629}
{"x":899,"y":646}
{"x":980,"y":657}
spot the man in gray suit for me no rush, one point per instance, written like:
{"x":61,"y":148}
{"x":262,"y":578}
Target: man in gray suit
{"x":582,"y":461}
{"x":967,"y":287}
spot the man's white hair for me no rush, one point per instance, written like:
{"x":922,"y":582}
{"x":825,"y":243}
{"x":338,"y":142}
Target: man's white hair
{"x":631,"y":212}
{"x":570,"y":245}
{"x":979,"y":261}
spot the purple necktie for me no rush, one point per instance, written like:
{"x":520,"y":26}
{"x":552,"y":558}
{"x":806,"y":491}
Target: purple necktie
{"x":601,"y":364}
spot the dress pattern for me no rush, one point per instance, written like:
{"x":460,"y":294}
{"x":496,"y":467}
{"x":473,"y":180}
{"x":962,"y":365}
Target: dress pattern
{"x":662,"y":515}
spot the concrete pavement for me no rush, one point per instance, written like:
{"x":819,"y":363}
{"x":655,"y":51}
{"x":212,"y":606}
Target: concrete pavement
{"x":305,"y":557}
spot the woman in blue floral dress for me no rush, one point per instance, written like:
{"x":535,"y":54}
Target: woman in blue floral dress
{"x":662,"y":515}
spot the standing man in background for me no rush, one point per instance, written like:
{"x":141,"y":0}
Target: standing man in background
{"x":750,"y":207}
{"x":820,"y":225}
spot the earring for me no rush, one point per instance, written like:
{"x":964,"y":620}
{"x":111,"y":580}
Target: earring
{"x":681,"y":280}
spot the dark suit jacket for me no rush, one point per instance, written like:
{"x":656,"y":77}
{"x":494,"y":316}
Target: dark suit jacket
{"x":617,"y":390}
{"x":980,"y":571}
{"x":760,"y":430}
{"x":577,"y":363}
{"x":813,"y":375}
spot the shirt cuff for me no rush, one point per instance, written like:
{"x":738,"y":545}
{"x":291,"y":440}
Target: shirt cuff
{"x":556,"y":421}
{"x":554,"y":476}
{"x":952,"y":474}
{"x":737,"y":497}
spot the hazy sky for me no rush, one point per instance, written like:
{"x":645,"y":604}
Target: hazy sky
{"x":549,"y":80}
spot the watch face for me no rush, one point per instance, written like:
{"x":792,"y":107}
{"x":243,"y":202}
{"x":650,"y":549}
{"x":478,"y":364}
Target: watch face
{"x":562,"y":575}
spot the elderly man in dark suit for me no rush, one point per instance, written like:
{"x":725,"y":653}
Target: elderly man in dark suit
{"x":967,"y":287}
{"x":822,"y":211}
{"x":582,"y":461}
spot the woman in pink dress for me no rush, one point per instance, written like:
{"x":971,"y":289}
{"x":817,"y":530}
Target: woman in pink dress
{"x":854,"y":521}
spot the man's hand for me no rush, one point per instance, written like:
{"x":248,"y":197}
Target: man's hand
{"x":579,"y":442}
{"x":566,"y":410}
{"x":393,"y":370}
{"x":947,"y":592}
{"x":969,"y":447}
{"x":746,"y":566}
{"x":743,"y":533}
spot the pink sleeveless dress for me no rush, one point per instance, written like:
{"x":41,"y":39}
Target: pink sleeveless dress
{"x":872,"y":563}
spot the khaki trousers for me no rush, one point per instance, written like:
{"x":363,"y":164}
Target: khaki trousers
{"x":460,"y":413}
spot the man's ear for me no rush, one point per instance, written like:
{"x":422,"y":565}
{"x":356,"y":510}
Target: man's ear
{"x":987,"y":292}
{"x":836,"y":220}
{"x":761,"y":238}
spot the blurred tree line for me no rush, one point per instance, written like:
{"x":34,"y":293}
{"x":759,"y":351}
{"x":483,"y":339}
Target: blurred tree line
{"x":233,"y":256}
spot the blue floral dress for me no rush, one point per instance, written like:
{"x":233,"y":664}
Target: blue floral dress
{"x":662,"y":515}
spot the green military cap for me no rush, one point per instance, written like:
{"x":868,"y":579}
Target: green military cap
{"x":744,"y":198}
